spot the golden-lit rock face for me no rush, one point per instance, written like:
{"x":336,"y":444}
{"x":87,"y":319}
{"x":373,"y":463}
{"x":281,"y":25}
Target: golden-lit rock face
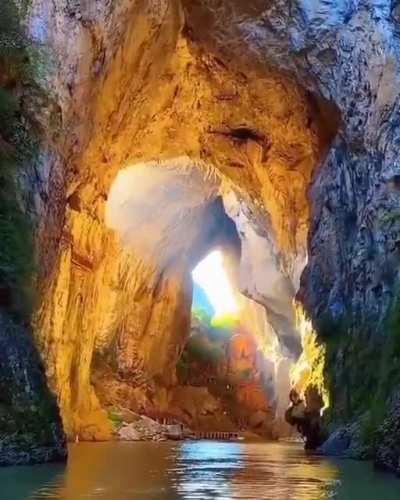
{"x":135,"y":87}
{"x":309,"y":371}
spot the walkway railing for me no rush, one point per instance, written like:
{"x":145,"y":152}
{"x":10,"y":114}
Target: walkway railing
{"x":216,"y":435}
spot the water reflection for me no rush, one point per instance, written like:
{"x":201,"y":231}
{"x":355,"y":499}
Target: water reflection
{"x":248,"y":471}
{"x":18,"y":483}
{"x":113,"y":471}
{"x":196,"y":470}
{"x":206,"y":469}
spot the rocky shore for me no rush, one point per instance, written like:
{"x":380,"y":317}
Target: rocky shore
{"x":130,"y":426}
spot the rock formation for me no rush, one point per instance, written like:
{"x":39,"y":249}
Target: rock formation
{"x":124,"y":295}
{"x":161,"y":123}
{"x":30,"y":425}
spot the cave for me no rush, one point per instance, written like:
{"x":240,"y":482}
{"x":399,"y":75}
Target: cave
{"x":143,"y":143}
{"x":172,"y":219}
{"x":209,"y":149}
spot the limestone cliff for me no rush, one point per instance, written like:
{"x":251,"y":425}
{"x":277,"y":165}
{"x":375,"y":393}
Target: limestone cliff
{"x":30,"y":424}
{"x":135,"y":88}
{"x":348,"y":53}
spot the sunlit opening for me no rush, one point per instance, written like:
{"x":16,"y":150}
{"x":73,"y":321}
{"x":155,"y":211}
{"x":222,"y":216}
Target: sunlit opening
{"x":211,"y":275}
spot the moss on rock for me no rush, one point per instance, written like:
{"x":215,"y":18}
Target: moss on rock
{"x":30,"y":425}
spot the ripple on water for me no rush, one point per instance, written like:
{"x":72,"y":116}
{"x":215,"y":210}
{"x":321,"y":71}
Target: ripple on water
{"x":197,"y":470}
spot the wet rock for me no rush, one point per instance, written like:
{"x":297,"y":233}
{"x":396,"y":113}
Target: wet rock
{"x":28,"y":450}
{"x":348,"y":441}
{"x":30,"y":424}
{"x":388,"y":438}
{"x":337,"y":444}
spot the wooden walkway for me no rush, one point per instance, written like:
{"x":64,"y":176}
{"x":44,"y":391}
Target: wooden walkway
{"x":216,"y":435}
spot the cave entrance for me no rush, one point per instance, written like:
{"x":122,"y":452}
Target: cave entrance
{"x":188,"y":234}
{"x":213,"y":290}
{"x":227,"y":357}
{"x":226,"y":367}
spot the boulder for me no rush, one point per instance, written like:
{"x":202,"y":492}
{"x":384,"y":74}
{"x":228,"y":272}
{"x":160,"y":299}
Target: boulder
{"x":174,"y":432}
{"x":129,"y":433}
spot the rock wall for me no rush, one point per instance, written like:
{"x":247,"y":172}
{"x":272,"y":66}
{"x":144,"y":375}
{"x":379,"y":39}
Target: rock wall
{"x":271,"y":99}
{"x":348,"y":53}
{"x":132,"y":86}
{"x":30,"y":424}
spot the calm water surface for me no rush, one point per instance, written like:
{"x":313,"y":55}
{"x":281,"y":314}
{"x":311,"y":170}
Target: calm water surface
{"x":197,"y":470}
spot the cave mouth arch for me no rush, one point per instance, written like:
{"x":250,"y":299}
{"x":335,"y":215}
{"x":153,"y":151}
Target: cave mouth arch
{"x":169,"y":215}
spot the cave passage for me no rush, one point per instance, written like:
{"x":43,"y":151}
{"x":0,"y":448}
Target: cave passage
{"x":225,"y":350}
{"x":221,"y":363}
{"x":188,"y":151}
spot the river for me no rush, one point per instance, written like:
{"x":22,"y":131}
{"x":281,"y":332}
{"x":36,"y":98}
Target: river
{"x":197,"y":470}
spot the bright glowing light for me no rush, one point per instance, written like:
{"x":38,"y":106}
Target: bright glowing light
{"x":210,"y":274}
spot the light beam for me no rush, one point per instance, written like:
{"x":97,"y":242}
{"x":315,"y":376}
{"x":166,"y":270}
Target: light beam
{"x":211,"y":275}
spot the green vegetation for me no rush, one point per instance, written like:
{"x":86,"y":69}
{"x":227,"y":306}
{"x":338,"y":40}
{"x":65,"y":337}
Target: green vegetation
{"x":388,"y":372}
{"x":219,"y":329}
{"x":29,"y":416}
{"x":390,"y":217}
{"x":351,"y":373}
{"x":202,"y":316}
{"x":226,"y":322}
{"x":115,"y":418}
{"x":362,"y":369}
{"x":207,"y":344}
{"x":18,"y":148}
{"x":200,"y":348}
{"x":28,"y":411}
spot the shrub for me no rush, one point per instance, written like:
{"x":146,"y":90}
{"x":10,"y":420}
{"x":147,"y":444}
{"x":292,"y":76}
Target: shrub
{"x":225,"y":322}
{"x":17,"y":151}
{"x":388,"y":373}
{"x":202,"y":316}
{"x":115,"y":418}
